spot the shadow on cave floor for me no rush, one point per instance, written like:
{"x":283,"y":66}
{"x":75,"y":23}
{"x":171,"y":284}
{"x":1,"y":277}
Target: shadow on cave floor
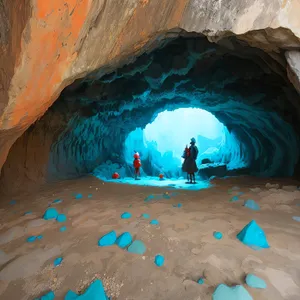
{"x":184,"y":236}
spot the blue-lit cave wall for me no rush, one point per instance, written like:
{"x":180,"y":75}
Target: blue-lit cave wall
{"x":243,"y":87}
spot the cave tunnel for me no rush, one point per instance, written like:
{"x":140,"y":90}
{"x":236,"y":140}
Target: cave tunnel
{"x":239,"y":104}
{"x":243,"y":87}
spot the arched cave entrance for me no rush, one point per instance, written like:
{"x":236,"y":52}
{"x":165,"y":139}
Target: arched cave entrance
{"x":243,"y":87}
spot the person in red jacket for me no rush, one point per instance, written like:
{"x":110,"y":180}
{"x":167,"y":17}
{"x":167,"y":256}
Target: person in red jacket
{"x":137,"y":165}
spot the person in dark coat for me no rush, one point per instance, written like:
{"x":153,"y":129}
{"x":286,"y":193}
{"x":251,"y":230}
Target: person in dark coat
{"x":189,"y":165}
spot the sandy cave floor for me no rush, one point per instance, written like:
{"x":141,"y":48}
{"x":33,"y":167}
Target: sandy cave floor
{"x":184,"y":237}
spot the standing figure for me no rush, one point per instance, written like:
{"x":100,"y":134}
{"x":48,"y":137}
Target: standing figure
{"x":137,"y":165}
{"x":189,"y":165}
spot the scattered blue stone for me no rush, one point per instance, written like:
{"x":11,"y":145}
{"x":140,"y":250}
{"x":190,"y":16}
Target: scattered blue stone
{"x":154,"y":222}
{"x":224,"y":292}
{"x":48,"y":296}
{"x":108,"y":239}
{"x":146,"y":216}
{"x":62,"y":229}
{"x":39,"y":237}
{"x":137,"y":247}
{"x":57,"y":261}
{"x":149,"y":198}
{"x":31,"y":239}
{"x":166,"y":196}
{"x":234,"y":199}
{"x":126,"y":215}
{"x":78,"y":196}
{"x":61,"y":218}
{"x":124,"y":240}
{"x":90,"y":196}
{"x":179,"y":205}
{"x":159,"y":260}
{"x":94,"y":292}
{"x":255,"y":282}
{"x":218,"y":235}
{"x":296,"y":219}
{"x":50,"y":213}
{"x":27,"y":213}
{"x":251,"y":204}
{"x":57,"y":201}
{"x":200,"y":281}
{"x":253,"y":236}
{"x":241,"y":193}
{"x":12,"y":202}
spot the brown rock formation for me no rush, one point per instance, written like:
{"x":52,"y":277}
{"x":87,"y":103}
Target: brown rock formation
{"x":47,"y":45}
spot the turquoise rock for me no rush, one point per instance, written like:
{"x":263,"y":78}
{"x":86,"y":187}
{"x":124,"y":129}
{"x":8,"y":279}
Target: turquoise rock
{"x":31,"y":239}
{"x":126,"y":215}
{"x":137,"y":247}
{"x":224,"y":292}
{"x":200,"y":281}
{"x":57,"y":261}
{"x":12,"y":202}
{"x":27,"y":213}
{"x":78,"y":196}
{"x":39,"y":237}
{"x":124,"y":240}
{"x":94,"y":292}
{"x":218,"y":235}
{"x":50,"y":213}
{"x":253,"y":236}
{"x":57,"y":201}
{"x":251,"y":204}
{"x":149,"y":198}
{"x":255,"y":282}
{"x":296,"y":219}
{"x":179,"y":205}
{"x":108,"y":239}
{"x":90,"y":196}
{"x":61,"y":218}
{"x":154,"y":222}
{"x":145,"y":216}
{"x":48,"y":296}
{"x":234,"y":199}
{"x":159,"y":260}
{"x":62,"y":229}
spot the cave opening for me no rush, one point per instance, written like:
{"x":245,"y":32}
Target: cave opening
{"x":243,"y":87}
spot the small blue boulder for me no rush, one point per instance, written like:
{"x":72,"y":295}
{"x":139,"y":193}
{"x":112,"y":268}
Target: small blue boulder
{"x":27,"y":213}
{"x":218,"y":235}
{"x":253,"y":236}
{"x":296,"y":219}
{"x":94,"y":292}
{"x":255,"y":282}
{"x":126,"y":215}
{"x":137,"y":247}
{"x":78,"y":196}
{"x":62,"y":229}
{"x":124,"y":240}
{"x":149,"y":198}
{"x":48,"y":296}
{"x":108,"y":239}
{"x":200,"y":281}
{"x":57,"y":261}
{"x":179,"y":205}
{"x":154,"y":222}
{"x":159,"y":260}
{"x":12,"y":202}
{"x":90,"y":196}
{"x":61,"y":218}
{"x":234,"y":199}
{"x":224,"y":292}
{"x":31,"y":239}
{"x":39,"y":237}
{"x":251,"y":204}
{"x":146,"y":216}
{"x":50,"y":213}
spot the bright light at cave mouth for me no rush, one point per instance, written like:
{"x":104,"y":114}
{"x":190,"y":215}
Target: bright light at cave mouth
{"x":172,"y":130}
{"x":161,"y":145}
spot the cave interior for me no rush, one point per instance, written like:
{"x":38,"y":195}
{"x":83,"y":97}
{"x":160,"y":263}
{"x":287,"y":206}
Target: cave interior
{"x":99,"y":121}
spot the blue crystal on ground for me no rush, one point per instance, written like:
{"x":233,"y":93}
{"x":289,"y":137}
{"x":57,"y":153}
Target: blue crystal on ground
{"x":108,"y":239}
